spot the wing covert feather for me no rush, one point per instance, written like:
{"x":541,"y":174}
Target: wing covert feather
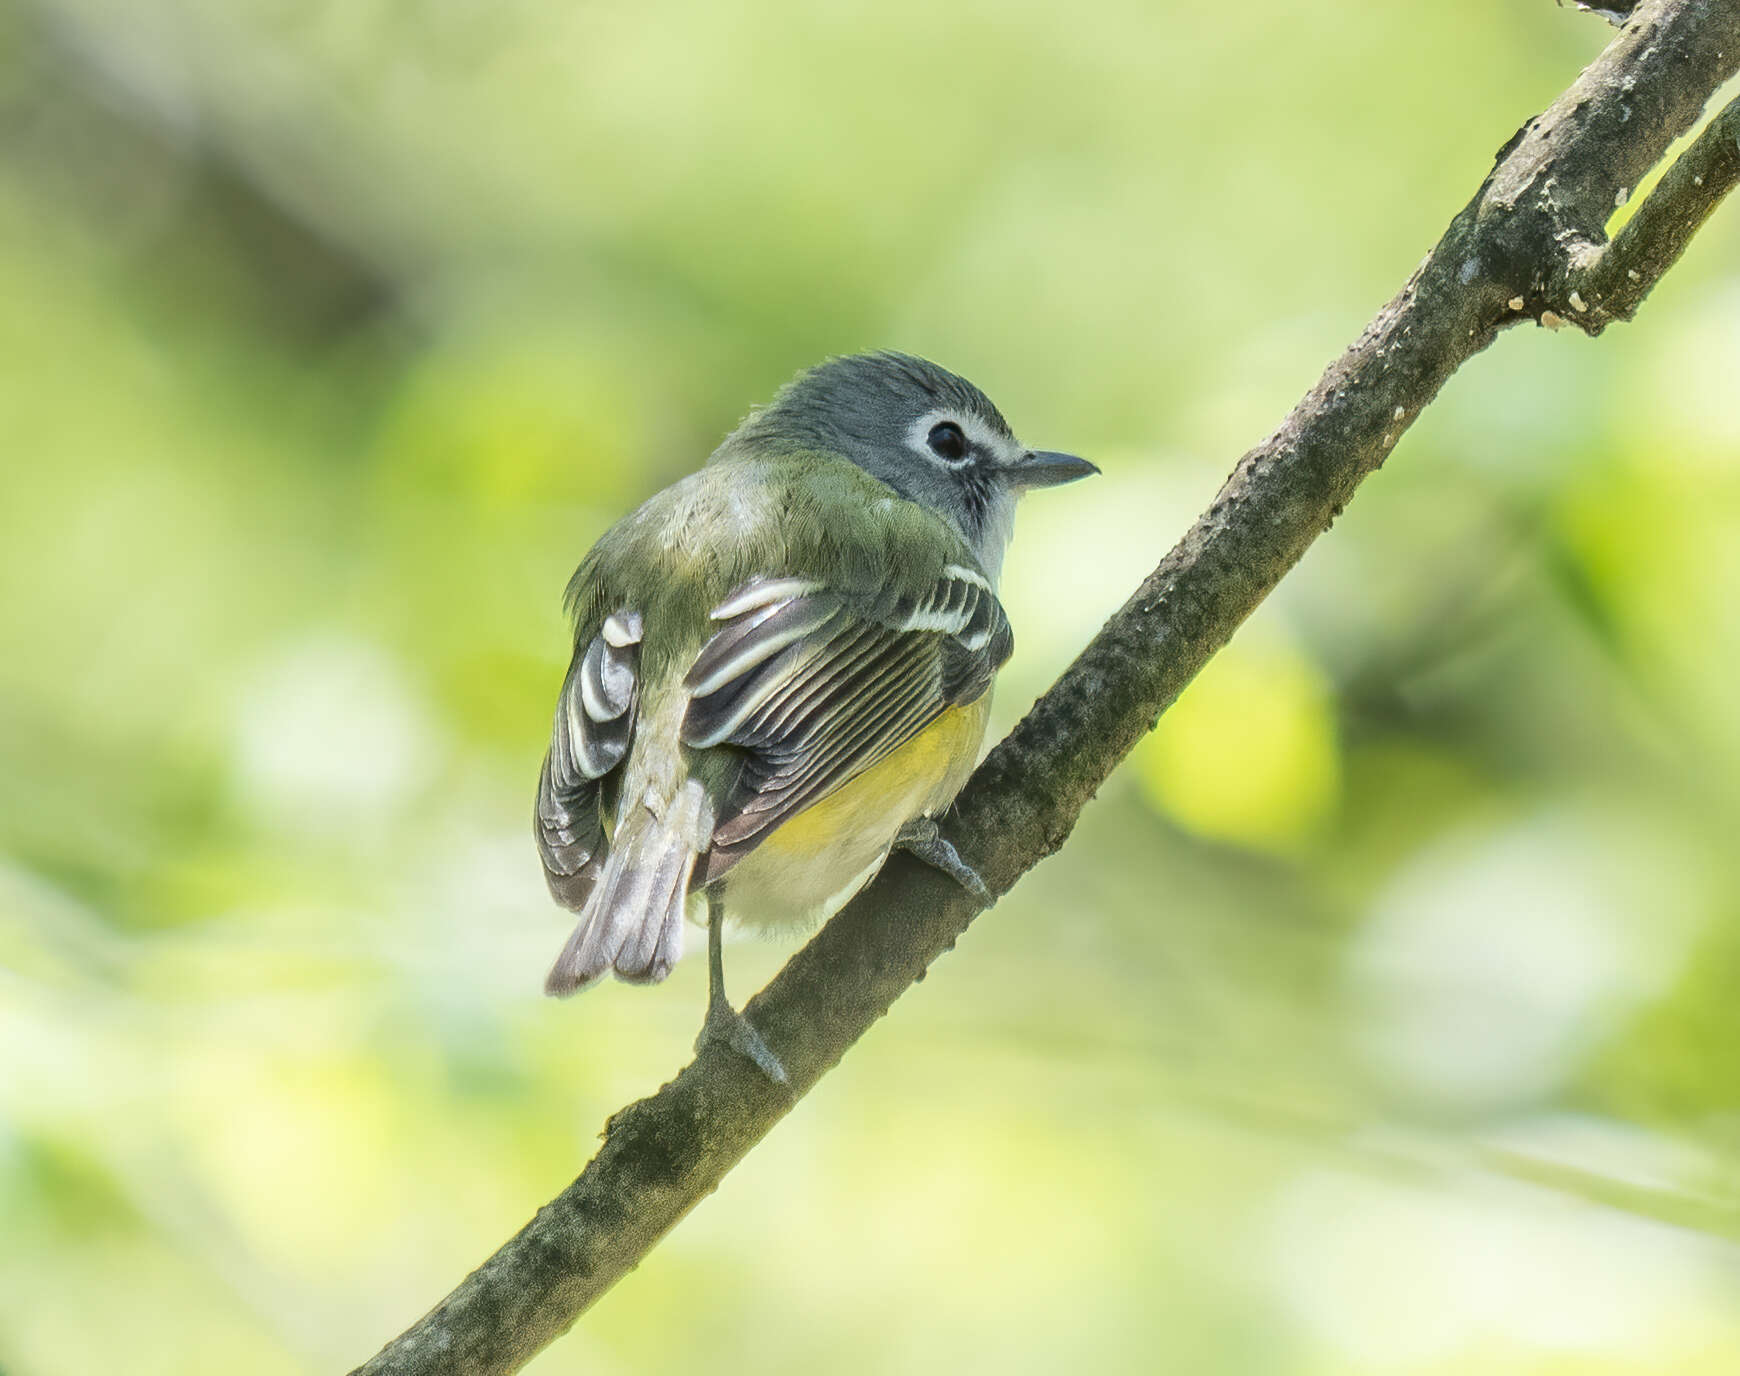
{"x":814,"y":687}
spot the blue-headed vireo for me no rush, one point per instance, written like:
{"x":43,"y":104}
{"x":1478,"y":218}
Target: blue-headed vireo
{"x":782,"y":668}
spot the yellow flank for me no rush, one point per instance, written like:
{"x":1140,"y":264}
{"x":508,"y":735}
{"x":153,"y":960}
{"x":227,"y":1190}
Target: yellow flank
{"x":811,"y":864}
{"x":918,"y":767}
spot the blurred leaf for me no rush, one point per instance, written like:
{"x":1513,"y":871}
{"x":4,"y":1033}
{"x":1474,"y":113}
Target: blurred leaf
{"x":1248,"y":753}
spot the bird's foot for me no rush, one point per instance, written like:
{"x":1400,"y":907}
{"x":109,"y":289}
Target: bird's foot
{"x":725,"y":1024}
{"x":921,"y":837}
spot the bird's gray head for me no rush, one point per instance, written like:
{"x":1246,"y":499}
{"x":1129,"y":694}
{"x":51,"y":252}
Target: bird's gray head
{"x":932,"y":436}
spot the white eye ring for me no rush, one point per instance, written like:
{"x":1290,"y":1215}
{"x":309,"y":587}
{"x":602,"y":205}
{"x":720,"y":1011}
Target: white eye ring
{"x":979,"y":438}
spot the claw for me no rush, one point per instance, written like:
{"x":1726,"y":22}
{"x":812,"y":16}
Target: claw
{"x":725,"y":1024}
{"x":922,"y":838}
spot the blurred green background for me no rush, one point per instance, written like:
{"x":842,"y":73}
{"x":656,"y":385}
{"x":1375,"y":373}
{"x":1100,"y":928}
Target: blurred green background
{"x":1381,"y":1015}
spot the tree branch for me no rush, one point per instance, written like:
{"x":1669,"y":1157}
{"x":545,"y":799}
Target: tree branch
{"x":1614,"y":285}
{"x":1531,"y":237}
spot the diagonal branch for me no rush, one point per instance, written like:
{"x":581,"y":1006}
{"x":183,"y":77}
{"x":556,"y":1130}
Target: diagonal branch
{"x":1614,"y":285}
{"x":1532,"y":235}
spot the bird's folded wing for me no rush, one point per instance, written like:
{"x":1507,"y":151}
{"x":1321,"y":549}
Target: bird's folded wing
{"x":595,"y":717}
{"x":815,"y":686}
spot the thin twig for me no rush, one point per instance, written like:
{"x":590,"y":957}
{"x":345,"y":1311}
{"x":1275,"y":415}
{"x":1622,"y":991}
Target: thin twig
{"x":1613,"y":287}
{"x":1535,"y":223}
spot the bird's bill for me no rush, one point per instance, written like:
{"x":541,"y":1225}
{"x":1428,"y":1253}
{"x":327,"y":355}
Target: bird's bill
{"x":1047,"y":468}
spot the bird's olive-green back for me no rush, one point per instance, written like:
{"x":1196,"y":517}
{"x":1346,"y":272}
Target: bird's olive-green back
{"x":809,"y":515}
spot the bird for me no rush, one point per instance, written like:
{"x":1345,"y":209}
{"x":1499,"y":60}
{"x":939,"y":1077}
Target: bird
{"x":782,"y":670}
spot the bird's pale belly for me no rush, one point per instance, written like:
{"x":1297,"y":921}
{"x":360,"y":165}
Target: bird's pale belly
{"x":812,"y":864}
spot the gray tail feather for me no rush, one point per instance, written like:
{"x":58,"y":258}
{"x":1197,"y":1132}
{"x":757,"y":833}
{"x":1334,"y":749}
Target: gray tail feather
{"x":632,"y":923}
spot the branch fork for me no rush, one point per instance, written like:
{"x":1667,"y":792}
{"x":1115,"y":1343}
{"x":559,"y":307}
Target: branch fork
{"x":1559,"y":182}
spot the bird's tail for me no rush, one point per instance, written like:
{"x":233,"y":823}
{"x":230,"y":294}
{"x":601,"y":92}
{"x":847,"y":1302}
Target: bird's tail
{"x":632,"y":923}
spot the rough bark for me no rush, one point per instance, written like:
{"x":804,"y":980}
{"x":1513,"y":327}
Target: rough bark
{"x":1530,"y":244}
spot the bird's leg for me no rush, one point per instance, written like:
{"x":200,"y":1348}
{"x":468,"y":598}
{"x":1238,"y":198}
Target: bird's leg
{"x":921,"y":837}
{"x":724,"y":1023}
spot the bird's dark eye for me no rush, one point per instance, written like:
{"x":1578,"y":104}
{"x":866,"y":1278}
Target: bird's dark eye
{"x":946,"y":441}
